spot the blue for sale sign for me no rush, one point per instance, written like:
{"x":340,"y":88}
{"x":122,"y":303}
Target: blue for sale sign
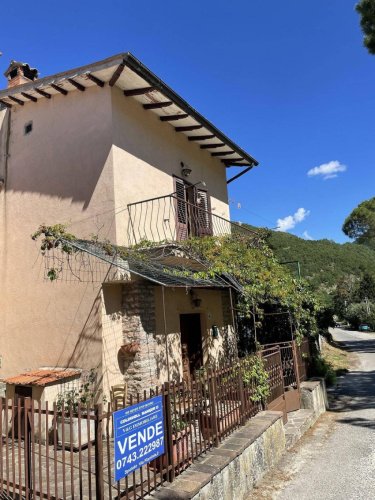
{"x":139,"y":435}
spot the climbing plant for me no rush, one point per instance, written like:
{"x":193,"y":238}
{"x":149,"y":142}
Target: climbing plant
{"x":266,"y":284}
{"x":264,"y":288}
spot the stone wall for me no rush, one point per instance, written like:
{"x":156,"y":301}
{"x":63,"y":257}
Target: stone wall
{"x":232,"y":469}
{"x":138,"y":324}
{"x":314,"y":396}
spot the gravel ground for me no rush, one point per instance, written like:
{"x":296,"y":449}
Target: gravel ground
{"x":335,"y":460}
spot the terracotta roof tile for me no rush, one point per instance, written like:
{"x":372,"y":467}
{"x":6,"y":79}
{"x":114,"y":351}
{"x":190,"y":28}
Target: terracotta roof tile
{"x":42,"y":377}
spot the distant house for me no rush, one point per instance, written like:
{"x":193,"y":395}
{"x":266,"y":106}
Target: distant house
{"x":111,"y":150}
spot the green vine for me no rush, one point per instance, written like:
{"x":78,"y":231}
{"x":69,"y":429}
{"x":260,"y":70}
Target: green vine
{"x":54,"y":237}
{"x":254,"y":374}
{"x":265,"y":284}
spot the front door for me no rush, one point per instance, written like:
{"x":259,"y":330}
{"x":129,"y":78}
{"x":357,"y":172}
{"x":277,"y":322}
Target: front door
{"x":191,"y":343}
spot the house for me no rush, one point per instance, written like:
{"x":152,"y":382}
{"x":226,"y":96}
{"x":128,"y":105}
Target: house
{"x":110,"y":150}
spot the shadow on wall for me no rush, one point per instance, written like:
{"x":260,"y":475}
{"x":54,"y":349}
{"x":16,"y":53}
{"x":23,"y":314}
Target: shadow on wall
{"x":164,"y":148}
{"x":172,"y":347}
{"x":87,"y":350}
{"x":59,"y":152}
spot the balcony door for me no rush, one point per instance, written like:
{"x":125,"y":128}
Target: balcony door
{"x":193,"y":216}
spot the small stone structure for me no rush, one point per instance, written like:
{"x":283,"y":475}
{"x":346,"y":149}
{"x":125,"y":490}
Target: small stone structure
{"x":314,"y":396}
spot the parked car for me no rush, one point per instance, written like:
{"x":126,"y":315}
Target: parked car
{"x":364,"y":328}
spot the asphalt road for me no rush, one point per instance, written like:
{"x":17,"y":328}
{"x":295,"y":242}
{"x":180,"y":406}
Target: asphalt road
{"x":336,"y":459}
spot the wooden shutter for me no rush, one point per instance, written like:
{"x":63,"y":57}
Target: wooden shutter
{"x":204,"y":218}
{"x":181,"y":210}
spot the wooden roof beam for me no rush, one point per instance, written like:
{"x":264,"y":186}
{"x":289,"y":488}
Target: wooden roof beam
{"x":93,"y":78}
{"x":116,"y":75}
{"x":215,"y":145}
{"x":234,"y":162}
{"x":222,"y":153}
{"x":28,"y":96}
{"x":59,"y":89}
{"x":172,"y":118}
{"x":44,"y":94}
{"x":200,"y":137}
{"x":187,"y":128}
{"x":14,"y":99}
{"x":140,"y":91}
{"x":6,"y":104}
{"x":157,"y":105}
{"x":77,"y":85}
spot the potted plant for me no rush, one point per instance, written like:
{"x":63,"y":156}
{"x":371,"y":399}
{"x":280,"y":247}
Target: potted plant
{"x":180,"y":446}
{"x":73,"y":431}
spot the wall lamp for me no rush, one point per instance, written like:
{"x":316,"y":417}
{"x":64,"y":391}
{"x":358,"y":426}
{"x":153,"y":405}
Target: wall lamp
{"x":185,"y":169}
{"x":195,"y":300}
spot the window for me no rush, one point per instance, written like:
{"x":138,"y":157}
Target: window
{"x":28,"y":128}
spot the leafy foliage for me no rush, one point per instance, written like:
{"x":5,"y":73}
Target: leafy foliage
{"x":360,"y":224}
{"x":255,"y":374}
{"x":366,"y":9}
{"x":361,"y":312}
{"x":71,"y":399}
{"x":272,"y":304}
{"x":268,"y":288}
{"x":325,"y":265}
{"x":53,"y":237}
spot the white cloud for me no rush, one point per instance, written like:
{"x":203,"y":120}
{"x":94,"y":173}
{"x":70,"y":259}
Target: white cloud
{"x":307,"y":236}
{"x":328,"y":170}
{"x":291,"y":220}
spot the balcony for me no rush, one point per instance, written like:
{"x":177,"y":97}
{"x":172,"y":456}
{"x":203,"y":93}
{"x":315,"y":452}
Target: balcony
{"x":170,"y":219}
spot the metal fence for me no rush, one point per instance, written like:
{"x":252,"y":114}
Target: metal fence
{"x":49,"y":453}
{"x":172,"y":219}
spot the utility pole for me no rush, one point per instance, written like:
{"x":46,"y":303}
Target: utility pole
{"x":294,"y":262}
{"x":367,"y":305}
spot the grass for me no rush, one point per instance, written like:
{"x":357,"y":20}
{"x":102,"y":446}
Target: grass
{"x":336,"y":357}
{"x":331,"y":363}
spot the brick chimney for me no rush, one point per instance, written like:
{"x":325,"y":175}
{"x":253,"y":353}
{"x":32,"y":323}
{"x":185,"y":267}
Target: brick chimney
{"x":19,"y":73}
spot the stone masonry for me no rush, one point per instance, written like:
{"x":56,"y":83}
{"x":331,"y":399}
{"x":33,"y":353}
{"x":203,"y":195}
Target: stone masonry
{"x":138,"y":305}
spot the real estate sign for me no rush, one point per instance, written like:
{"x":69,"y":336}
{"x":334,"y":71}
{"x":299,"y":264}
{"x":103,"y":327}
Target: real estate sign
{"x":138,"y":435}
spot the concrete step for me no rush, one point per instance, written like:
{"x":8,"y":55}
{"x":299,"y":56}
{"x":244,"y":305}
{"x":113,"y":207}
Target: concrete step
{"x":298,"y":423}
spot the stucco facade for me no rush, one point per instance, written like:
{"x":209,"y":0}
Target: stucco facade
{"x":89,"y":154}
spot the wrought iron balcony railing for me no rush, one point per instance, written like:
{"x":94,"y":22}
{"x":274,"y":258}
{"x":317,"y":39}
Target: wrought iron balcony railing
{"x":172,"y":219}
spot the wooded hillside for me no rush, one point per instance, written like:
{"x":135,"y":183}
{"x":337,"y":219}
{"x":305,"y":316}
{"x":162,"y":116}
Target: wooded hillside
{"x":323,"y":262}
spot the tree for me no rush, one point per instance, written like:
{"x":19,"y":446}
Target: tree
{"x":366,"y":9}
{"x":360,"y":224}
{"x":344,"y":294}
{"x":366,"y":289}
{"x":362,"y":312}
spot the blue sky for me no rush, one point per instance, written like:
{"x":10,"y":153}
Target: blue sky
{"x":289,"y":81}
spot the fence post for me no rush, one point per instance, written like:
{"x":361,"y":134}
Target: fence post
{"x":212,"y":393}
{"x":99,"y":483}
{"x":242,"y":395}
{"x":295,"y":361}
{"x":168,"y":426}
{"x":27,"y":451}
